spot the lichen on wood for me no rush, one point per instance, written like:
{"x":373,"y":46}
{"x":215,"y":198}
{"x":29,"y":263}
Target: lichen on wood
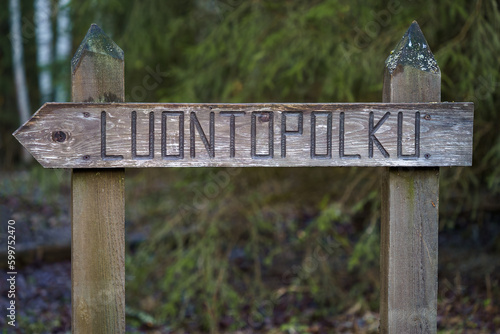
{"x":97,"y":42}
{"x":412,"y":50}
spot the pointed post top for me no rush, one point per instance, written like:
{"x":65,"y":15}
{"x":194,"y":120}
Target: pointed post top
{"x":413,"y":51}
{"x":97,"y":69}
{"x":96,"y":41}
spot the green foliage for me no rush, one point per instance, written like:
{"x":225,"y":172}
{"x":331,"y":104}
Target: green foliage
{"x":228,"y":233}
{"x":293,"y":327}
{"x":190,"y":280}
{"x":36,"y":187}
{"x":30,"y":326}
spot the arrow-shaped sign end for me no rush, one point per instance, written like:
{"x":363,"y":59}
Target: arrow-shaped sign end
{"x":25,"y":133}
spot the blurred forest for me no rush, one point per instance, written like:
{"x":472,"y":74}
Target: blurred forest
{"x":269,"y":250}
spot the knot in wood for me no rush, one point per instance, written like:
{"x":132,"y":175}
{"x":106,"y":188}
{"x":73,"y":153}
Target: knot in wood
{"x":58,"y":136}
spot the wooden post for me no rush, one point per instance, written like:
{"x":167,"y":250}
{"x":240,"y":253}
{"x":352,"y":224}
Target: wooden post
{"x":98,"y":203}
{"x":410,"y":202}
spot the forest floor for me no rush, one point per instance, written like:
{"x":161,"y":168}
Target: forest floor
{"x":468,"y":297}
{"x":44,"y":306}
{"x":468,"y":301}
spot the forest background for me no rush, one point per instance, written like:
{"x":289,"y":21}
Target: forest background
{"x":260,"y":249}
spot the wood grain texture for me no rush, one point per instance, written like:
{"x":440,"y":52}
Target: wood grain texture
{"x":98,"y":202}
{"x":410,"y":208}
{"x":445,"y":134}
{"x":98,"y":251}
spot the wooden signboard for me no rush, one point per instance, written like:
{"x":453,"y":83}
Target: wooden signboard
{"x":93,"y":135}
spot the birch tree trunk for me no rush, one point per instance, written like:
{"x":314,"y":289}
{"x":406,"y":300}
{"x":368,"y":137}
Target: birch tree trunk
{"x":23,"y":103}
{"x":44,"y":45}
{"x":63,"y":49}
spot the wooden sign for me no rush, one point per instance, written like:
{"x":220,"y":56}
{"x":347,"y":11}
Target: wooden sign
{"x":91,"y":135}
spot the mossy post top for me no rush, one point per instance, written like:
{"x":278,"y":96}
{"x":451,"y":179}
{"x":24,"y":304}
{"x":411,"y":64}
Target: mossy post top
{"x":97,"y":69}
{"x":96,"y":41}
{"x":413,"y":51}
{"x":412,"y":65}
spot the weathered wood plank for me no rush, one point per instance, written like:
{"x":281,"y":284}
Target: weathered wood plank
{"x":63,"y":135}
{"x":98,"y":202}
{"x":410,"y":204}
{"x":98,"y":251}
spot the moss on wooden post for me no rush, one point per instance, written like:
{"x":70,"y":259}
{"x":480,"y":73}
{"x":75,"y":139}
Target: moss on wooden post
{"x":410,"y":203}
{"x":98,"y":203}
